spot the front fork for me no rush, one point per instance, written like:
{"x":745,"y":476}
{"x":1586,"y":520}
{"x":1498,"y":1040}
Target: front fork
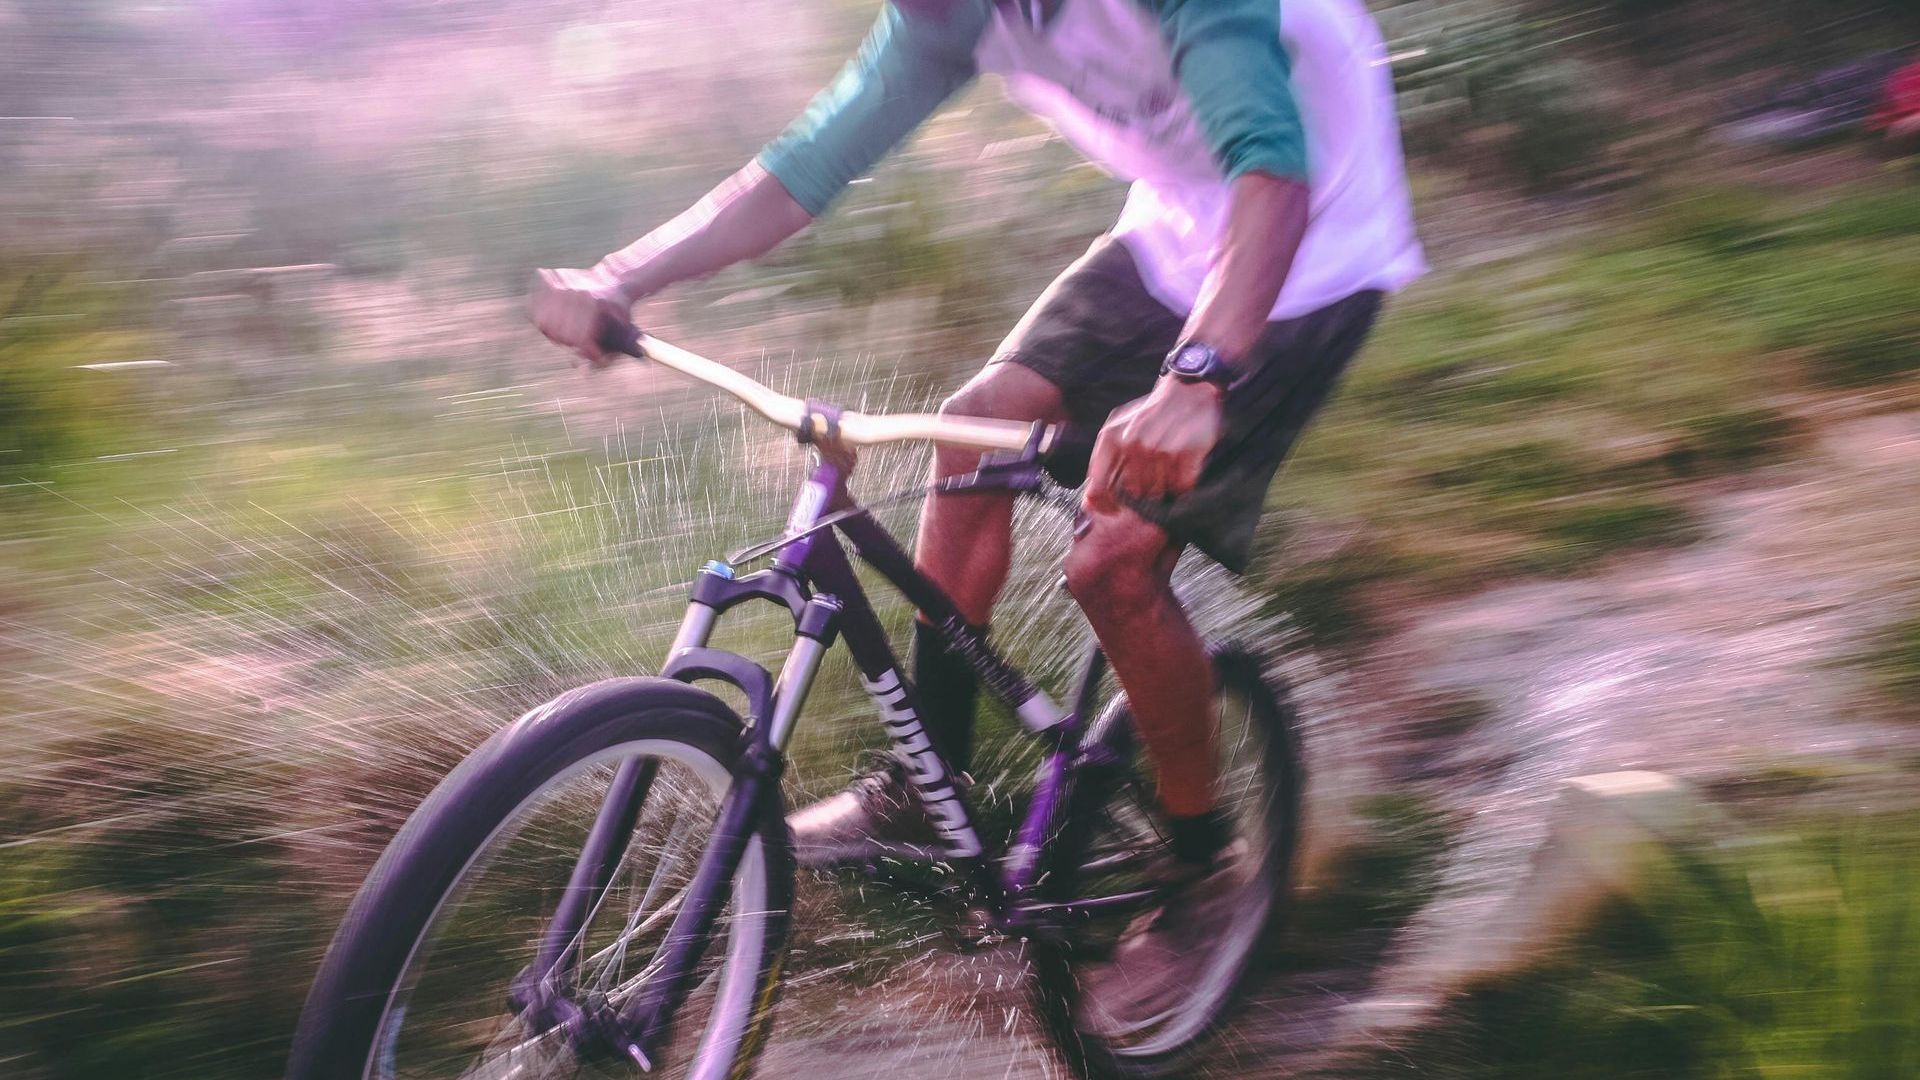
{"x":537,"y":987}
{"x":537,"y":992}
{"x":643,"y":1023}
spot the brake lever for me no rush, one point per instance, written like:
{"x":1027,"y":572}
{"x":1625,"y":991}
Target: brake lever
{"x":1003,"y":470}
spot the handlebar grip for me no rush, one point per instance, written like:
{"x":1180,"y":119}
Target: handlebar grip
{"x":620,"y":337}
{"x":1071,"y":454}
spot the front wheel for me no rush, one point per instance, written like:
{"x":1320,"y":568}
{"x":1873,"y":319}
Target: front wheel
{"x":1102,"y":871}
{"x":427,"y":976}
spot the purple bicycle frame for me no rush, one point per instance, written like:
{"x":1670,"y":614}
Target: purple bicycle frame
{"x":817,"y":557}
{"x":813,"y":577}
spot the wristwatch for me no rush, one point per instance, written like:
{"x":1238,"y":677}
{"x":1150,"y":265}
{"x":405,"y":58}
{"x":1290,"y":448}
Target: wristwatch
{"x":1194,"y":362}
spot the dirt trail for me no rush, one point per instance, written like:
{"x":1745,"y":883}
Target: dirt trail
{"x":1715,"y":662}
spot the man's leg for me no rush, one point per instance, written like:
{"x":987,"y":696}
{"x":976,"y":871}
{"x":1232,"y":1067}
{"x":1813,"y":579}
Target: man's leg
{"x":1121,"y":570}
{"x":965,"y":546}
{"x":965,"y":542}
{"x":1080,"y":333}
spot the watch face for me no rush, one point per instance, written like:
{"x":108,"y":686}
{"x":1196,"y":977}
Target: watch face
{"x":1192,"y":360}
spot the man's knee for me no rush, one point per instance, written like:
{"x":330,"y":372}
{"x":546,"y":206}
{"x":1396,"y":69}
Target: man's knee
{"x":1118,"y":563}
{"x":1003,"y":391}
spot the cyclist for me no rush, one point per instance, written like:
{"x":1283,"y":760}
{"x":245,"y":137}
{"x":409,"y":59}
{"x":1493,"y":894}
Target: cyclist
{"x":1268,"y":214}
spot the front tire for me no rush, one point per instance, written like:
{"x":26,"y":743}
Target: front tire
{"x":417,"y":980}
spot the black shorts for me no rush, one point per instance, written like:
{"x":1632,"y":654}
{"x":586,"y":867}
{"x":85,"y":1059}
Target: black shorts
{"x":1099,"y":336}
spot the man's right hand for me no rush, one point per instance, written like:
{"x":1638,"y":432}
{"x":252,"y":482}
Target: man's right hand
{"x":575,"y":308}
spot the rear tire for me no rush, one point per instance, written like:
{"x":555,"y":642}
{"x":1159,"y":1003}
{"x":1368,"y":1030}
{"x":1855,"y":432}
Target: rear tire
{"x":357,"y":1011}
{"x":1111,"y":808}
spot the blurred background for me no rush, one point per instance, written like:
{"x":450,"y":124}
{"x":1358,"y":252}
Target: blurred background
{"x":295,"y":510}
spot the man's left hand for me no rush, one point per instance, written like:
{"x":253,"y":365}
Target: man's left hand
{"x":1154,"y":447}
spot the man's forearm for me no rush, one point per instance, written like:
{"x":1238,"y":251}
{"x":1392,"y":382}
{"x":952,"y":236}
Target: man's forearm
{"x":1266,"y":217}
{"x":745,"y":217}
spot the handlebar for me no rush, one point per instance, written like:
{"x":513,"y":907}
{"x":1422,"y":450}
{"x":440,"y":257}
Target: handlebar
{"x":813,"y":423}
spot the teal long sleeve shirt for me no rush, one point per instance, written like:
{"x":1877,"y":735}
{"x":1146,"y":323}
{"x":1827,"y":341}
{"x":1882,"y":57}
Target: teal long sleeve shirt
{"x":1226,"y":54}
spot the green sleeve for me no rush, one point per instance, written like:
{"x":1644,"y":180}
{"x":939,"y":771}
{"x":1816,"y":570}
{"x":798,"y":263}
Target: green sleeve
{"x":907,"y":66}
{"x":1228,"y":56}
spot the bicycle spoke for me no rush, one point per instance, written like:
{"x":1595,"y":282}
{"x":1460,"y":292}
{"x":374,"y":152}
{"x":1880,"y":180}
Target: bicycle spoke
{"x":640,"y":920}
{"x":666,"y":912}
{"x":446,"y":1028}
{"x":541,"y":1056}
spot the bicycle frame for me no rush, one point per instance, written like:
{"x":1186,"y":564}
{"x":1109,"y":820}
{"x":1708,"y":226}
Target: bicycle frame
{"x":813,"y":578}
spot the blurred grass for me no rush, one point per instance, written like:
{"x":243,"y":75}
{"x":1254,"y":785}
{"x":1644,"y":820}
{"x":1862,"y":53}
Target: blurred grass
{"x":1378,"y":885}
{"x":1793,"y":956}
{"x":1892,"y":659}
{"x":363,"y":527}
{"x":1544,"y":410}
{"x":441,"y":553}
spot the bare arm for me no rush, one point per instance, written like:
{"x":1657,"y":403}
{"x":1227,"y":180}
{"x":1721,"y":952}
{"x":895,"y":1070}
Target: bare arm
{"x":903,"y":71}
{"x":748,"y":215}
{"x":1265,"y":221}
{"x":745,"y":217}
{"x":1232,"y":61}
{"x":1157,"y":445}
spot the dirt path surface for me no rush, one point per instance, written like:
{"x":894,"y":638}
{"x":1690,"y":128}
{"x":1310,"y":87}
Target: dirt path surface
{"x":1715,"y":663}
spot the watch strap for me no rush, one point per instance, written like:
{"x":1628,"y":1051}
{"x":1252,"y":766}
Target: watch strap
{"x":1199,"y":362}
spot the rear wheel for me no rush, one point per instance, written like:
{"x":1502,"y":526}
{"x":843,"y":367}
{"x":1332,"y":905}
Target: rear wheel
{"x":426,"y":976}
{"x":1102,"y":871}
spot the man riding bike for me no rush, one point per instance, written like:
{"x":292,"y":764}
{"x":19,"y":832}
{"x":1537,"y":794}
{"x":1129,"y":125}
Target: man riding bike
{"x":1268,"y":214}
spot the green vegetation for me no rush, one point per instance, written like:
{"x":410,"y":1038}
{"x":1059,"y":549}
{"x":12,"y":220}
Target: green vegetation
{"x":256,"y":602}
{"x":1378,"y":885}
{"x":1488,"y":84}
{"x":1893,"y":660}
{"x":1791,"y":955}
{"x":1537,"y":411}
{"x":49,"y":325}
{"x":1325,"y":597}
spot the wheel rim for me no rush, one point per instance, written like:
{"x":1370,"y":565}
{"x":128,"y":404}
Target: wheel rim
{"x":1130,"y":832}
{"x":449,"y":1013}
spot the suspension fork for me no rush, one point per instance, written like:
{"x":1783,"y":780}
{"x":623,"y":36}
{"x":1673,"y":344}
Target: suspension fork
{"x":644,"y":1022}
{"x":540,"y":984}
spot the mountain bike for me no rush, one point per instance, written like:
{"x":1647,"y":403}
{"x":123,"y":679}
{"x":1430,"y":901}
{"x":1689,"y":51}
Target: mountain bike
{"x":606,"y":884}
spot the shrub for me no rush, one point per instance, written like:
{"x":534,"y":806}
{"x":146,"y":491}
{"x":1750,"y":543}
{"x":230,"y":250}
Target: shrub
{"x":1377,"y":885}
{"x":1793,"y":957}
{"x":1612,"y":524}
{"x":1323,"y":596}
{"x":51,"y":410}
{"x":1730,"y":440}
{"x":1472,"y":74}
{"x":1522,"y":471}
{"x":1893,"y":660}
{"x":1718,"y":222}
{"x":1868,"y":352}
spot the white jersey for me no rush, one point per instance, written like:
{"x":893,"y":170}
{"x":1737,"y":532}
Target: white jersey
{"x":1100,"y":73}
{"x":1103,"y":74}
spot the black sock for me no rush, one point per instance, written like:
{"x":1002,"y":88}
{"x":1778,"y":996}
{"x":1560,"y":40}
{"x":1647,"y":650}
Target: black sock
{"x":947,"y":689}
{"x":1199,"y":838}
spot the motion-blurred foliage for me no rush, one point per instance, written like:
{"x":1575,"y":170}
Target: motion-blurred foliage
{"x":1483,"y":81}
{"x":49,"y":323}
{"x":1788,"y":956}
{"x":257,"y":601}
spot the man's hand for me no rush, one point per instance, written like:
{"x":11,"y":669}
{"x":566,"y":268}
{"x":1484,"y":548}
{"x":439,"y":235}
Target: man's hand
{"x":574,"y":308}
{"x":1154,"y":447}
